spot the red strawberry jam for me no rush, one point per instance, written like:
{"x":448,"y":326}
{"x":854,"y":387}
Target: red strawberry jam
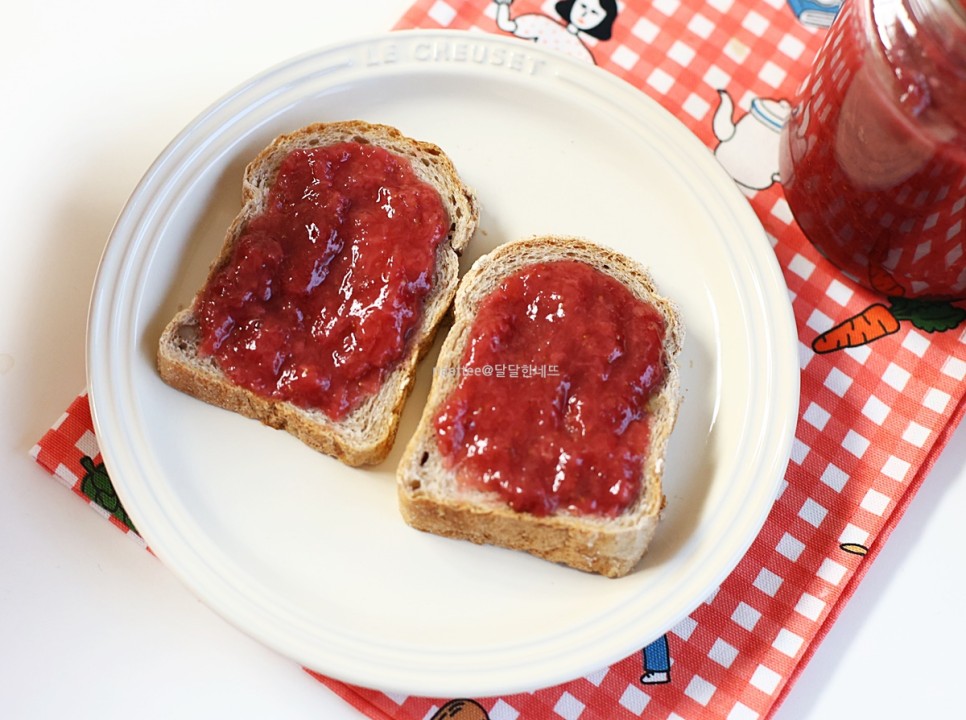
{"x":873,"y":157}
{"x":551,"y":407}
{"x":323,"y":290}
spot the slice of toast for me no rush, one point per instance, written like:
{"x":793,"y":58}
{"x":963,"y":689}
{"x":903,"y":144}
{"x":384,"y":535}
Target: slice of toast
{"x":364,"y":436}
{"x":433,"y":499}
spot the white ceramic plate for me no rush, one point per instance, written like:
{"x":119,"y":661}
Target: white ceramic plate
{"x":311,"y":557}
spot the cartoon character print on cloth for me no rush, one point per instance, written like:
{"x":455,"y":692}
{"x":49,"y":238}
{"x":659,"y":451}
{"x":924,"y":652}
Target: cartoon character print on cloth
{"x":461,"y":709}
{"x":96,"y":484}
{"x":815,"y":13}
{"x":581,"y":19}
{"x":657,"y":663}
{"x":748,"y":148}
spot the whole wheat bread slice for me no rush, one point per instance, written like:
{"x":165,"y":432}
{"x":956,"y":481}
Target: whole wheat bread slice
{"x":366,"y":435}
{"x":432,"y":499}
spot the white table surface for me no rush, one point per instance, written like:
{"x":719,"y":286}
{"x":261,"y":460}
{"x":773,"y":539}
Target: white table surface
{"x":91,"y":626}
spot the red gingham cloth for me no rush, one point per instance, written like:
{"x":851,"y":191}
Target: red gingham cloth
{"x":873,"y":418}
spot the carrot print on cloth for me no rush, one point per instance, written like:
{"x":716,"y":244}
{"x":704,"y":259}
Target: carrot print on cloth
{"x":879,"y":320}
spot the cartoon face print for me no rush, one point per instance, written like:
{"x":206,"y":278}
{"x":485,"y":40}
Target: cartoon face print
{"x":586,"y":14}
{"x":594,"y":17}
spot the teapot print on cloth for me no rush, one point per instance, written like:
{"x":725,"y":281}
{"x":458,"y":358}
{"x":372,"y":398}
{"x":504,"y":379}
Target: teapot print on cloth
{"x":748,"y":147}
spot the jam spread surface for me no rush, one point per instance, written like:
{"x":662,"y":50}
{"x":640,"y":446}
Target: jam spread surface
{"x":323,"y":290}
{"x":550,"y":410}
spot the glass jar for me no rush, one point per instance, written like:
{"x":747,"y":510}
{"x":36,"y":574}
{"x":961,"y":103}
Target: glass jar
{"x":873,"y":155}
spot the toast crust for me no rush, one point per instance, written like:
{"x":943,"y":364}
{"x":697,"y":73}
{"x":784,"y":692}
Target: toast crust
{"x":366,"y":435}
{"x":430,"y":499}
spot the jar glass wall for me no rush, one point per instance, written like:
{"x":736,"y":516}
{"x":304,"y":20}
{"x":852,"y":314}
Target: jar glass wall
{"x":873,"y":156}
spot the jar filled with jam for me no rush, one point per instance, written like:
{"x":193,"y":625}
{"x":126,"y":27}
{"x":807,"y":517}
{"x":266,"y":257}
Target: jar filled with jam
{"x":873,"y":155}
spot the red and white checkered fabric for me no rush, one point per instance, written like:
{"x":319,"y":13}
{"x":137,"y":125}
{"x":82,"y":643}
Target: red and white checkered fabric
{"x":69,"y":451}
{"x":873,"y":418}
